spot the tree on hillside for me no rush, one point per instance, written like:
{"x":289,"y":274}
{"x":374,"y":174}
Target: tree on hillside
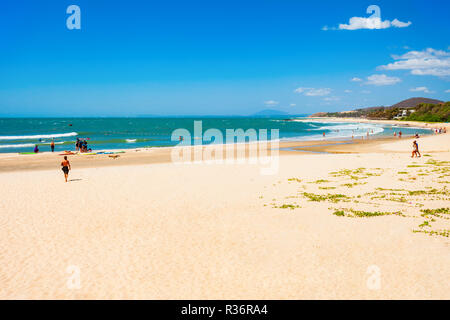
{"x":431,"y":112}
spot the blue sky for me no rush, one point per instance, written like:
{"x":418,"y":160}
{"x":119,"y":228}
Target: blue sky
{"x":219,"y":57}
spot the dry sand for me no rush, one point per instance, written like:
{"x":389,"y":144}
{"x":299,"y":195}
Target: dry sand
{"x":138,"y":228}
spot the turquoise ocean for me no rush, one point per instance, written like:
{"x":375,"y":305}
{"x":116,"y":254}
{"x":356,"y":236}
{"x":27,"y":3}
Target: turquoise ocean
{"x":21,"y":134}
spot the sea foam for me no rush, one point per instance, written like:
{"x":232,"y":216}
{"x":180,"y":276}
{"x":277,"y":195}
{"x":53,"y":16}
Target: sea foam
{"x":39,"y":136}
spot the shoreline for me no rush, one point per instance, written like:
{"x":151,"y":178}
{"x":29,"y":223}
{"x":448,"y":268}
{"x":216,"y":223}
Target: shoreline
{"x":144,"y":156}
{"x":399,"y":123}
{"x":409,"y":124}
{"x":151,"y":155}
{"x":141,"y":156}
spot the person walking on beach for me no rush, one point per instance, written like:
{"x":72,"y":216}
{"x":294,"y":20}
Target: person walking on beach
{"x":65,"y":164}
{"x":399,"y":134}
{"x":415,"y":151}
{"x":52,"y":145}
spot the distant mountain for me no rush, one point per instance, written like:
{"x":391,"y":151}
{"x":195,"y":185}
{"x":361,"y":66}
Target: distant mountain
{"x":270,"y":112}
{"x":413,"y":102}
{"x":380,"y":111}
{"x":414,"y":109}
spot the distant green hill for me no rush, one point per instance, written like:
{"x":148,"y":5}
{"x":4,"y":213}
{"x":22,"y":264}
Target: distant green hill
{"x":431,"y":112}
{"x":414,"y":109}
{"x":413,"y":102}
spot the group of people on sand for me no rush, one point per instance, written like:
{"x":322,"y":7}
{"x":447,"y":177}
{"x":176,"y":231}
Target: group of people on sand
{"x":82,"y":145}
{"x":440,"y":130}
{"x":52,"y":147}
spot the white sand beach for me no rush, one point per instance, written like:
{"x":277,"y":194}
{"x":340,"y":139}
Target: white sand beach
{"x":158,"y":230}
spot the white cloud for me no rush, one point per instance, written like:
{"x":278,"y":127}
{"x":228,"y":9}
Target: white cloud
{"x":366,"y":91}
{"x":420,"y":89}
{"x":313,"y":92}
{"x":372,"y":22}
{"x":381,"y":80}
{"x":397,"y":23}
{"x":431,"y":72}
{"x":347,"y":91}
{"x":426,"y":62}
{"x":447,"y":91}
{"x":271,"y":103}
{"x":427,"y":53}
{"x":356,"y":23}
{"x":292,"y":105}
{"x":356,"y":79}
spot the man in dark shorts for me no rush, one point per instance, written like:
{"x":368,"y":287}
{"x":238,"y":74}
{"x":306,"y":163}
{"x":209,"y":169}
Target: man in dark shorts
{"x":65,"y":164}
{"x":52,"y":145}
